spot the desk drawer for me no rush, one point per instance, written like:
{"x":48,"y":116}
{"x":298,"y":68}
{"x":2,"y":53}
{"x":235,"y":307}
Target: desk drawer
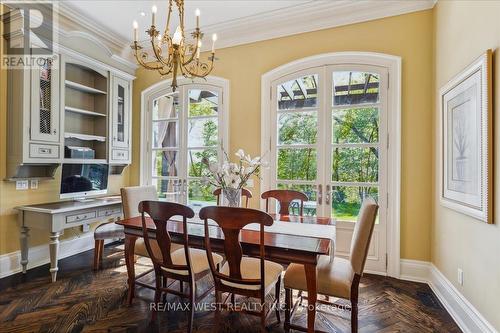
{"x":120,"y":155}
{"x":110,"y":212}
{"x":43,"y":151}
{"x":80,"y":217}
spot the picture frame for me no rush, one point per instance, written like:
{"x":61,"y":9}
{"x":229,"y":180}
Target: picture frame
{"x":466,"y":132}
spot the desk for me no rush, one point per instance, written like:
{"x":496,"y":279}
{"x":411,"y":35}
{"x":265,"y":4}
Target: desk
{"x":281,"y":248}
{"x":57,"y":216}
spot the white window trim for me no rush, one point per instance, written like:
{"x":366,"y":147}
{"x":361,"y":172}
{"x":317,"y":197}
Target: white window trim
{"x":154,"y":89}
{"x":393,"y":66}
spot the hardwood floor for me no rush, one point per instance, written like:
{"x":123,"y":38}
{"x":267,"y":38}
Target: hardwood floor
{"x":86,"y":301}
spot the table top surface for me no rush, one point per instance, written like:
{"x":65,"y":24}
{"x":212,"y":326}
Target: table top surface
{"x":304,"y":244}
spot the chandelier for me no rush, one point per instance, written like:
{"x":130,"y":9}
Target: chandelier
{"x":174,"y":54}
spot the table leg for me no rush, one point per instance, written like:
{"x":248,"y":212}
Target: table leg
{"x":54,"y":250}
{"x":129,"y":260}
{"x":24,"y":247}
{"x":311,"y":296}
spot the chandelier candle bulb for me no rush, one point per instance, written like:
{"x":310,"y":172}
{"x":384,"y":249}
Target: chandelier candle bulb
{"x":135,"y":25}
{"x":154,"y":9}
{"x":197,"y":13}
{"x":177,"y":36}
{"x":214,"y":38}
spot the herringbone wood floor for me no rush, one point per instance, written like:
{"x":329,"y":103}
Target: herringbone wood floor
{"x":86,"y":301}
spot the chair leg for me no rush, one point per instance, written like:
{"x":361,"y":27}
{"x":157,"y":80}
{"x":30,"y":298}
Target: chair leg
{"x":263,"y":317}
{"x":354,"y":316}
{"x":181,"y":286}
{"x":288,"y":307}
{"x":192,"y":294}
{"x":158,"y":283}
{"x":277,"y":296}
{"x":217,"y":310}
{"x":98,"y":249}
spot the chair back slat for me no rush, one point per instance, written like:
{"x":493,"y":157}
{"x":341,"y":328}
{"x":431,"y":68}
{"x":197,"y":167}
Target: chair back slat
{"x":362,"y":234}
{"x":284,"y":198}
{"x":161,"y":212}
{"x":231,"y":221}
{"x":244,"y":193}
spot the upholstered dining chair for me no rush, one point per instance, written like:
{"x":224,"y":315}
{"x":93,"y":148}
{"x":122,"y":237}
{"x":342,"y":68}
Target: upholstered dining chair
{"x":284,"y":198}
{"x":131,"y":196}
{"x":184,"y":264}
{"x":245,"y":276}
{"x":244,"y":193}
{"x":337,"y":277}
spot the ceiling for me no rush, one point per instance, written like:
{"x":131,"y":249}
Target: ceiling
{"x":117,"y":16}
{"x":236,"y":22}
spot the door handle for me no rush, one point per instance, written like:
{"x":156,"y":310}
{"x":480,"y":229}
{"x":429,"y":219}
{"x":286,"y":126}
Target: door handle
{"x":320,"y":194}
{"x":327,"y":195}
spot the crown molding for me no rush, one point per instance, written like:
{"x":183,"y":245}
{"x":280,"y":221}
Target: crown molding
{"x":309,"y":17}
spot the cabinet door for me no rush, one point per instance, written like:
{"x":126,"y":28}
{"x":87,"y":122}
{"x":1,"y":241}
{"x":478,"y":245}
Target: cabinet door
{"x":45,"y":111}
{"x":121,"y":113}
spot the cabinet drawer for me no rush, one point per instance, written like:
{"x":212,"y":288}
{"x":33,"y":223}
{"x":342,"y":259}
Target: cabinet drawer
{"x":80,"y":217}
{"x":120,"y":155}
{"x":43,"y":151}
{"x":109,"y":212}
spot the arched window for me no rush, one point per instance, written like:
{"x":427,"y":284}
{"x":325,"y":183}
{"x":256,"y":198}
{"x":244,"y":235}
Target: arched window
{"x":180,"y":130}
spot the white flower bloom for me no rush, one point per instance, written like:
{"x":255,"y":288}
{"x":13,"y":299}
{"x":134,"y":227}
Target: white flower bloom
{"x":240,"y":153}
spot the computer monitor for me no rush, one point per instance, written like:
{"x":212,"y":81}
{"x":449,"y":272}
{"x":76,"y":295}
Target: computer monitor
{"x":83,"y":180}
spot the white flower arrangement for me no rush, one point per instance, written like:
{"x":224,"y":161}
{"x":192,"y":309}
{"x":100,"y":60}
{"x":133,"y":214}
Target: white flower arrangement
{"x":229,"y":175}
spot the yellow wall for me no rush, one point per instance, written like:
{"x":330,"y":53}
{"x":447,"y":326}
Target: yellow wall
{"x":408,"y":36}
{"x":463,"y":31}
{"x":47,"y":191}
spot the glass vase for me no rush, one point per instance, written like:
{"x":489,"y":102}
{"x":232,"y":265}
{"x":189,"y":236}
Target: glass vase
{"x":231,"y":197}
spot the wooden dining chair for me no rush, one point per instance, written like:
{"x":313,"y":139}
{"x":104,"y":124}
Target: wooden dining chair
{"x":284,"y":198}
{"x":336,"y":277}
{"x":245,"y":276}
{"x":131,"y":196}
{"x":185,"y":264}
{"x":244,"y":193}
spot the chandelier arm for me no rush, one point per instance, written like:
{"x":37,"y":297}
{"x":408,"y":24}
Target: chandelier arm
{"x":167,"y":27}
{"x":156,"y":51}
{"x":195,"y":51}
{"x":202,"y":69}
{"x":140,"y":60}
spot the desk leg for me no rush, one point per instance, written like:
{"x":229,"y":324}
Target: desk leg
{"x":24,"y":247}
{"x":54,"y":251}
{"x":129,"y":260}
{"x":311,"y":296}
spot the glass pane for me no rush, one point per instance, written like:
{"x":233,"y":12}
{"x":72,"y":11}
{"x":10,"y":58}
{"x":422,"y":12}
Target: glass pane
{"x":297,"y":164}
{"x":203,"y":103}
{"x":310,"y":205}
{"x":165,"y":163}
{"x":45,"y":97}
{"x":346,"y":201}
{"x":355,"y":165}
{"x":165,"y":134}
{"x":297,"y":128}
{"x":202,"y":132}
{"x":120,"y":114}
{"x":350,"y":88}
{"x":166,"y":107}
{"x":169,"y":189}
{"x":195,"y":157}
{"x":299,"y":93}
{"x":200,"y":195}
{"x":359,"y":125}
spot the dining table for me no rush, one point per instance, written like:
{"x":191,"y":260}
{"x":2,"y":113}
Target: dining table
{"x":291,"y":239}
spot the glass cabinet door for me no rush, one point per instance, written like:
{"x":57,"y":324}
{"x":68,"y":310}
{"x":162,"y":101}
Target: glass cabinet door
{"x":121,"y":108}
{"x":44,"y":101}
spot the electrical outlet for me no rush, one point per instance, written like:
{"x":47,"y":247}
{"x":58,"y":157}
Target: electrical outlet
{"x":460,"y":276}
{"x":85,"y":227}
{"x":250,"y":183}
{"x":34,"y":184}
{"x":22,"y":185}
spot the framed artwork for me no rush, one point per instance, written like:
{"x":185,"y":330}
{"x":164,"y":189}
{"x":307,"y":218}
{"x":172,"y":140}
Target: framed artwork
{"x":466,"y":141}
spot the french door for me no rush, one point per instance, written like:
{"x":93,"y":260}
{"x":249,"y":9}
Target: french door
{"x":186,"y":131}
{"x":328,"y":139}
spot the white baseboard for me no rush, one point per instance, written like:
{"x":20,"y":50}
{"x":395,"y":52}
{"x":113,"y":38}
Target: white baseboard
{"x":461,"y":310}
{"x":10,"y":263}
